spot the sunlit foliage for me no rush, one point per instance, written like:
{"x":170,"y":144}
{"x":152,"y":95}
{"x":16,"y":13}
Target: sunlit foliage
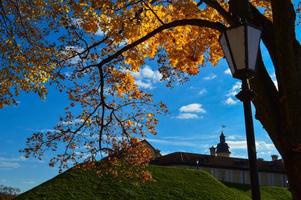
{"x":89,"y":49}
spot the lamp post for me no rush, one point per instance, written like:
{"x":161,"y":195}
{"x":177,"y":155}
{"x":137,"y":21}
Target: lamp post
{"x":240,"y":45}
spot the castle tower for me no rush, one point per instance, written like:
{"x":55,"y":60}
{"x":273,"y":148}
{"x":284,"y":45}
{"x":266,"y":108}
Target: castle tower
{"x":212,"y":151}
{"x":222,"y":148}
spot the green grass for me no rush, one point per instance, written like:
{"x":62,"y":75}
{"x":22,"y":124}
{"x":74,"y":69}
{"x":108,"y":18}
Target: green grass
{"x":169,"y":183}
{"x":267,"y":192}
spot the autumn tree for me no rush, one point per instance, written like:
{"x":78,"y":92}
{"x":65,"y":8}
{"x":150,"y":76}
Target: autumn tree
{"x":90,"y":49}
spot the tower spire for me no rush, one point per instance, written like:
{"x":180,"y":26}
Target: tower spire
{"x":222,"y":148}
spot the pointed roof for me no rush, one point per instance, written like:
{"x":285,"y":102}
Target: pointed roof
{"x":222,"y":147}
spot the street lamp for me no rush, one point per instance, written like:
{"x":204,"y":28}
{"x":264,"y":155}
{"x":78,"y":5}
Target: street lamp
{"x":240,"y":45}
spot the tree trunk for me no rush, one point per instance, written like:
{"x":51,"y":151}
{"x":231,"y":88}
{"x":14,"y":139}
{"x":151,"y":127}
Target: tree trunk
{"x":293,"y":165}
{"x":289,"y":74}
{"x":279,"y":111}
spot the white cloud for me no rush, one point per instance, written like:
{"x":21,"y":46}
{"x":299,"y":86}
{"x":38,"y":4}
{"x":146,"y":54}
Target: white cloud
{"x":203,"y":91}
{"x":71,"y":51}
{"x":227,"y":71}
{"x":210,"y":77}
{"x":9,"y":165}
{"x":237,"y":144}
{"x":74,"y":49}
{"x":14,"y":162}
{"x":230,"y":101}
{"x":187,"y":116}
{"x":234,"y":90}
{"x":242,"y":144}
{"x":99,"y":32}
{"x":234,"y":137}
{"x":191,"y":111}
{"x":193,"y":108}
{"x":147,"y":77}
{"x":147,"y":72}
{"x":72,"y":122}
{"x":263,"y":146}
{"x":144,"y":85}
{"x":10,"y":159}
{"x":163,"y":153}
{"x":78,"y":22}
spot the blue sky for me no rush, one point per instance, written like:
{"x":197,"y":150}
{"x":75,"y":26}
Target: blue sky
{"x":197,"y":110}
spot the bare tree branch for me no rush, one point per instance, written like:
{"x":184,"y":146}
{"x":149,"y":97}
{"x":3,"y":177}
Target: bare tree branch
{"x":102,"y":99}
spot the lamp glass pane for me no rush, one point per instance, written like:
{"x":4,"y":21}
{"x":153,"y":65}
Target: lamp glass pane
{"x":253,"y":46}
{"x":226,"y":51}
{"x":236,"y":37}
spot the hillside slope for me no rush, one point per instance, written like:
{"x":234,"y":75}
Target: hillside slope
{"x":169,"y":183}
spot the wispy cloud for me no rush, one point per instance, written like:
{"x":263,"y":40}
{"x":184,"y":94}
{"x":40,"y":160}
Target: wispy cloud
{"x":187,"y":116}
{"x":210,"y":77}
{"x":203,"y":91}
{"x":15,"y":162}
{"x":242,"y":144}
{"x":234,"y":137}
{"x":72,"y":122}
{"x":144,"y":85}
{"x":230,"y":101}
{"x":9,"y":163}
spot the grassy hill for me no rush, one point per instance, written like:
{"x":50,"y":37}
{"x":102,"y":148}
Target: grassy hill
{"x":169,"y":183}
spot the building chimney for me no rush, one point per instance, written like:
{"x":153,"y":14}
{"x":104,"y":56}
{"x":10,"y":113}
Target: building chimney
{"x":212,"y":151}
{"x":274,"y":157}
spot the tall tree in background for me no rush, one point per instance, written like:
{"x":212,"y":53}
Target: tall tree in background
{"x":91,"y":49}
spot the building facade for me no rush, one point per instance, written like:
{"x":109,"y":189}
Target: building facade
{"x":225,"y":168}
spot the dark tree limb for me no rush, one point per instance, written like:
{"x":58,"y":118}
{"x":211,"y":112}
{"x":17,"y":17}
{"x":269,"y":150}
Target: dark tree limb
{"x":266,"y":102}
{"x":227,"y":15}
{"x":184,"y":22}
